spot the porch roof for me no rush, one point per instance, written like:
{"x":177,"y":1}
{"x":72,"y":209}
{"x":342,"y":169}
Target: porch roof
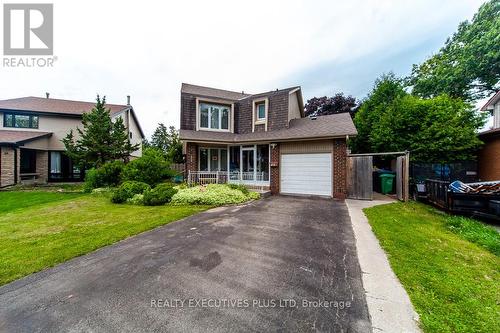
{"x":15,"y":138}
{"x":323,"y":127}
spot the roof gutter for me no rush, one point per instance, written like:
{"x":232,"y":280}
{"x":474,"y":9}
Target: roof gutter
{"x":265,"y":140}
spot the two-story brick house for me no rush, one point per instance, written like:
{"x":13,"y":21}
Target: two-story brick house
{"x":489,"y":154}
{"x":31,"y":130}
{"x":264,"y":139}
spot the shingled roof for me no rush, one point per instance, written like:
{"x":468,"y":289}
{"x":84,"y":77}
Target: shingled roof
{"x":56,"y":106}
{"x":491,"y":102}
{"x":212,"y":92}
{"x":20,"y":137}
{"x":331,"y":126}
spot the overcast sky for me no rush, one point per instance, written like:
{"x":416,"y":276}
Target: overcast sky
{"x":146,"y":49}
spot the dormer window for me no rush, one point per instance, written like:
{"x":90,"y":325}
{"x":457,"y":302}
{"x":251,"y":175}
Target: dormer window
{"x":261,"y":111}
{"x":214,"y":116}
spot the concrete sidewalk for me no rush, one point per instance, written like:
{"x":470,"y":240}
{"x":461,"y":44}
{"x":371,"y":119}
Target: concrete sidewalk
{"x":388,"y":303}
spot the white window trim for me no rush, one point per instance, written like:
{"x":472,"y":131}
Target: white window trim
{"x":255,"y":119}
{"x":215,"y":101}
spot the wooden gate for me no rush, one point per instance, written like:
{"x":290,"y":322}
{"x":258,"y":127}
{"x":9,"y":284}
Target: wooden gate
{"x":402,"y":174}
{"x":359,"y":177}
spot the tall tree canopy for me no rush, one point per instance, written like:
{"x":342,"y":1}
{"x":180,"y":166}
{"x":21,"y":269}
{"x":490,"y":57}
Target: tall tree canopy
{"x":101,"y":139}
{"x":440,"y":129}
{"x":468,"y":65}
{"x":387,"y":88}
{"x":338,"y":103}
{"x":167,"y":141}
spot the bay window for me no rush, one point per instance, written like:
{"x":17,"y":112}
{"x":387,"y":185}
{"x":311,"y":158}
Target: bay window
{"x":214,"y":116}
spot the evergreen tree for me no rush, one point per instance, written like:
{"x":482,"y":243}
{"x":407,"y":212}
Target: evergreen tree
{"x":101,"y":139}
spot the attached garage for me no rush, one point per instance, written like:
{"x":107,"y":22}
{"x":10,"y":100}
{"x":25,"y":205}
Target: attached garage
{"x":309,"y":174}
{"x":307,"y":168}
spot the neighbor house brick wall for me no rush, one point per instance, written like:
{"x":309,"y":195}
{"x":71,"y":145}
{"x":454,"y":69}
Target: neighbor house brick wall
{"x":191,"y":157}
{"x":489,"y":159}
{"x":7,"y":173}
{"x":339,"y":169}
{"x":275,"y":170}
{"x":42,"y":166}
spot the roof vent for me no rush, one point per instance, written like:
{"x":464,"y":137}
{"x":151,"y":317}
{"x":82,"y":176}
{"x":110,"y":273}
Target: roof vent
{"x":47,"y":94}
{"x":128,"y":99}
{"x":313,"y":117}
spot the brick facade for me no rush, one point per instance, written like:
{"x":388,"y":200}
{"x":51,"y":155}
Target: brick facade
{"x":7,"y":173}
{"x":339,"y":156}
{"x":489,"y":159}
{"x":42,"y":166}
{"x":275,"y":170}
{"x":191,"y":157}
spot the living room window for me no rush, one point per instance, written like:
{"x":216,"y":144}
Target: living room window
{"x":20,"y":120}
{"x":214,"y":116}
{"x":213,"y":159}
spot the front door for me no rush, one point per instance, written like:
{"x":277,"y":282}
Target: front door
{"x":248,"y":163}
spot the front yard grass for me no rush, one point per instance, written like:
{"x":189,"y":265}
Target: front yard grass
{"x":40,"y":229}
{"x":452,"y":281}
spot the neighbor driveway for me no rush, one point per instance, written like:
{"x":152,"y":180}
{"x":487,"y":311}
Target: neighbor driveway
{"x":247,"y":268}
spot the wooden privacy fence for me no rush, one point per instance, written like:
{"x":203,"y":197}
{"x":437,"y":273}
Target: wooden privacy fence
{"x":360,"y":175}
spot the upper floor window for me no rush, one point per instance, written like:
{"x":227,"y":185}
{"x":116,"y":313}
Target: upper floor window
{"x":20,"y":120}
{"x":214,"y":116}
{"x":261,"y":111}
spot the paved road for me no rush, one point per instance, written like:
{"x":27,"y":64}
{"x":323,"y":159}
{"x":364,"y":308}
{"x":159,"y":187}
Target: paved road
{"x":235,"y":269}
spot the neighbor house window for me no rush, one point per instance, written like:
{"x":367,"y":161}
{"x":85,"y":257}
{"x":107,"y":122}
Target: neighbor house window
{"x":261,"y":111}
{"x":213,"y":116}
{"x":213,"y":159}
{"x":20,"y":120}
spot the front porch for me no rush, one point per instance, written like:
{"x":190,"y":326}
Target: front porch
{"x":217,"y":164}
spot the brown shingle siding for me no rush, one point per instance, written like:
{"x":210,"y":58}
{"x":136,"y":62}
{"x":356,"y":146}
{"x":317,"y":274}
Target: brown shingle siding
{"x":244,"y":119}
{"x":278,"y":111}
{"x":188,"y":112}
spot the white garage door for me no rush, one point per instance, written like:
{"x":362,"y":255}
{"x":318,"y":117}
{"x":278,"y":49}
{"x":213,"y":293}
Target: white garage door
{"x":306,"y":174}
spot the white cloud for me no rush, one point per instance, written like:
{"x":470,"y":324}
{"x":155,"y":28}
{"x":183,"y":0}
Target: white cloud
{"x":147,"y":48}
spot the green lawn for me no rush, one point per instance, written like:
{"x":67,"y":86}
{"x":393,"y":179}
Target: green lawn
{"x":447,"y":265}
{"x":41,"y":229}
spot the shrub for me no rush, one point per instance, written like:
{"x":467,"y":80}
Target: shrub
{"x":137,"y":199}
{"x":213,"y":194}
{"x":160,"y":195}
{"x":240,"y":187}
{"x":127,"y":190}
{"x":105,"y":176}
{"x":151,"y":168}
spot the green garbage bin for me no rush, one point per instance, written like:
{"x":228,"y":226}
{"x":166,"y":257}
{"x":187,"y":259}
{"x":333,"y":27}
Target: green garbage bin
{"x":386,"y":181}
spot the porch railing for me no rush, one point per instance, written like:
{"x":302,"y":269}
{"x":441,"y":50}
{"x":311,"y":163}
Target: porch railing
{"x":255,"y":180}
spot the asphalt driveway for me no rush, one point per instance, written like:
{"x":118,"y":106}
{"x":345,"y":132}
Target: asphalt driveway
{"x":278,"y":264}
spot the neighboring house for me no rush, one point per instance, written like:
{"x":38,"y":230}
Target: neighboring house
{"x":489,"y":155}
{"x":31,"y":130}
{"x":263,"y":140}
